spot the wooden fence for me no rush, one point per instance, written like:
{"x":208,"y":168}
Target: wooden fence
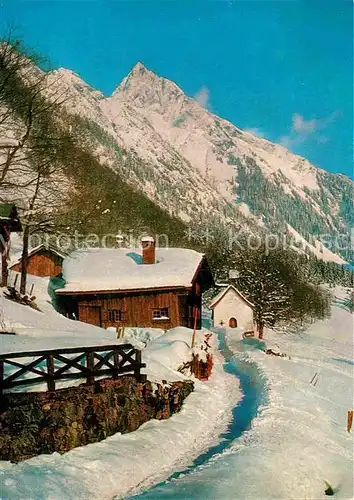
{"x":58,"y":364}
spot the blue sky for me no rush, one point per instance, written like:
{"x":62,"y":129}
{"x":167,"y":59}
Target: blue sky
{"x":283,"y":69}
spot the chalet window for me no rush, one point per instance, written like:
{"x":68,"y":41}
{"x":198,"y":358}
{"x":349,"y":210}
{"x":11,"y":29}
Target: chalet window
{"x":160,"y":313}
{"x":114,"y":315}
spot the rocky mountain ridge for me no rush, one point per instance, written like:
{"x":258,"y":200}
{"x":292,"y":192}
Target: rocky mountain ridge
{"x":191,"y":162}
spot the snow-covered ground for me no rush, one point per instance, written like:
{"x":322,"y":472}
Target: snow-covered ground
{"x":299,"y":438}
{"x":121,"y":463}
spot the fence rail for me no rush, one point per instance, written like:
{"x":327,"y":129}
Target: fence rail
{"x":58,"y":364}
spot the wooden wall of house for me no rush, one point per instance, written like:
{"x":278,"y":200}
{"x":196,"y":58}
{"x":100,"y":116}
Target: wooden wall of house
{"x":136,"y":309}
{"x":188,"y":303}
{"x":43,"y":263}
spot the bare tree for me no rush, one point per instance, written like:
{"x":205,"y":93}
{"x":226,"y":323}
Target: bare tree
{"x":41,"y":208}
{"x":28,"y":108}
{"x":273,"y":282}
{"x":32,"y":168}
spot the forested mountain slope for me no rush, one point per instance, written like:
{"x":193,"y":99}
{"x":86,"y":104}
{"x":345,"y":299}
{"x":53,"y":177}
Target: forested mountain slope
{"x":190,"y":161}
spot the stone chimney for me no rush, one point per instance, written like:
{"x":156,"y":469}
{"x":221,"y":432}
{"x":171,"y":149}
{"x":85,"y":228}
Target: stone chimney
{"x":148,"y":245}
{"x":119,"y":241}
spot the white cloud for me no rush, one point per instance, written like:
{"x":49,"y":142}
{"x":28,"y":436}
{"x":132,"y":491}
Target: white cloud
{"x":302,"y":126}
{"x":322,"y":139}
{"x":255,"y":131}
{"x":285,"y":141}
{"x":203,"y":97}
{"x":302,"y":130}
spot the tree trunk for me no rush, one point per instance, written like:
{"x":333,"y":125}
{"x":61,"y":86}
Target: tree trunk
{"x":4,"y":248}
{"x":3,"y":267}
{"x":260,"y":328}
{"x":24,"y":260}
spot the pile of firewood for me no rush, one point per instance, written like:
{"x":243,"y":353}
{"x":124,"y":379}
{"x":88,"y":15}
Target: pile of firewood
{"x":12,"y":294}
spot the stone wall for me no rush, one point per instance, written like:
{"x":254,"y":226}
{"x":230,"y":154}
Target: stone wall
{"x":44,"y":422}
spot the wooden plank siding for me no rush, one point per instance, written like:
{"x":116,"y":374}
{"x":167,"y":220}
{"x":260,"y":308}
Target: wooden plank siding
{"x":43,"y":263}
{"x":137,"y":310}
{"x":90,"y":314}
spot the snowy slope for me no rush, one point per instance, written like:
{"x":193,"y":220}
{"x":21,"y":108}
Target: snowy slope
{"x":299,"y":439}
{"x":316,"y":248}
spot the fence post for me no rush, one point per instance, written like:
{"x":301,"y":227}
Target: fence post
{"x":90,"y":363}
{"x":138,"y":364}
{"x":116,"y":362}
{"x":50,"y":373}
{"x":350,"y":420}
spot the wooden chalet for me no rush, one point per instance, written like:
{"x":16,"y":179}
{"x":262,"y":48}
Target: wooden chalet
{"x":158,"y":287}
{"x":43,"y":261}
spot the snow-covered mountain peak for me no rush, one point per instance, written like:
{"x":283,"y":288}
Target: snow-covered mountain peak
{"x":67,"y":75}
{"x":210,"y":143}
{"x":140,"y":68}
{"x":69,"y":80}
{"x":142,"y":87}
{"x":189,"y":160}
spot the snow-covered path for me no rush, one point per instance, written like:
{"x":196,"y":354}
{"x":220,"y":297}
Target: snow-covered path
{"x":299,"y":439}
{"x":254,"y":396}
{"x":287,"y":450}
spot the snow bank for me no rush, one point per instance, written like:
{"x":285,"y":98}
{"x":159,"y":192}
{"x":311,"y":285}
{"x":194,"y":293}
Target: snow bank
{"x":23,"y":320}
{"x":141,"y":335}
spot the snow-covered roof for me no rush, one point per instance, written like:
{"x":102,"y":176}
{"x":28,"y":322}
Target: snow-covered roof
{"x":38,"y":249}
{"x":222,"y":293}
{"x":147,"y":239}
{"x":106,"y":269}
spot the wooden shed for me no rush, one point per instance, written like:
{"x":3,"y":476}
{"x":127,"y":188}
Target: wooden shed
{"x":158,"y":288}
{"x":42,"y":261}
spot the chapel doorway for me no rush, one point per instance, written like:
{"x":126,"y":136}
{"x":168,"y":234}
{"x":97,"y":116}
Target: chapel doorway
{"x":232,"y":322}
